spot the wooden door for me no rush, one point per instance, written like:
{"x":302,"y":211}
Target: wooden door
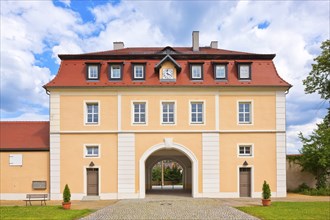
{"x":92,"y":181}
{"x":245,"y":182}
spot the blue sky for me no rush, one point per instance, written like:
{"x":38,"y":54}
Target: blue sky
{"x":33,"y":33}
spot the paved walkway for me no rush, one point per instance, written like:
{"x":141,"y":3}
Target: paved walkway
{"x":184,"y":208}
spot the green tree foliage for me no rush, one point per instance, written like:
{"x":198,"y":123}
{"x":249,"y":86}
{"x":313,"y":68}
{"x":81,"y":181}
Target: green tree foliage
{"x":266,"y":194}
{"x":318,"y":79}
{"x":316,"y":153}
{"x":316,"y":148}
{"x":173,"y":174}
{"x":156,"y":173}
{"x":66,"y":194}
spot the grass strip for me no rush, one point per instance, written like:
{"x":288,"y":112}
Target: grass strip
{"x":290,"y":210}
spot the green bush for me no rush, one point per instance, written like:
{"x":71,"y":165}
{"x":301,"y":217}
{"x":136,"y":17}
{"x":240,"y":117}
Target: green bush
{"x":266,"y":194}
{"x":317,"y":192}
{"x":302,"y":187}
{"x":66,"y":194}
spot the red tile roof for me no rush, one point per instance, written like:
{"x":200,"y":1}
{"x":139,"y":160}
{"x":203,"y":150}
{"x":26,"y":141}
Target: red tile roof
{"x":24,"y":136}
{"x":72,"y":72}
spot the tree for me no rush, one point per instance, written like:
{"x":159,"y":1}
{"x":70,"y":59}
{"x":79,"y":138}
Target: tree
{"x":318,"y":79}
{"x":316,"y":148}
{"x":315,"y":156}
{"x":156,"y":173}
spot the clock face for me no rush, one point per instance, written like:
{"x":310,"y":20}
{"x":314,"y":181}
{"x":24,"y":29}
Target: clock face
{"x":168,"y":74}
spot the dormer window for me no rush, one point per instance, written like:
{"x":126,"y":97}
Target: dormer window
{"x":115,"y":71}
{"x":220,"y":71}
{"x":138,"y":71}
{"x":244,"y":71}
{"x":93,"y":71}
{"x":196,"y":71}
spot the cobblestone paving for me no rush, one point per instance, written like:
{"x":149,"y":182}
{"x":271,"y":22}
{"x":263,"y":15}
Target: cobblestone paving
{"x":169,"y":209}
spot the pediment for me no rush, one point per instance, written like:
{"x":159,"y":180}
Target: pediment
{"x":170,"y":59}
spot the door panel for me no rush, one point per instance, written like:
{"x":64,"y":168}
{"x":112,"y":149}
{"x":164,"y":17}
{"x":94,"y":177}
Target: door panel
{"x":92,"y":181}
{"x":245,"y":182}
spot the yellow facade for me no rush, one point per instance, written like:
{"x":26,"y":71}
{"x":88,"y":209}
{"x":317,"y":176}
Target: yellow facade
{"x":18,"y":179}
{"x":116,"y":120}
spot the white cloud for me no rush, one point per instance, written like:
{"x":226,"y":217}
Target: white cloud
{"x":293,"y":142}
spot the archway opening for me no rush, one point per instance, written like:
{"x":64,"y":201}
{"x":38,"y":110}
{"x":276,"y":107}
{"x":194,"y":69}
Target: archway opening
{"x":168,"y":172}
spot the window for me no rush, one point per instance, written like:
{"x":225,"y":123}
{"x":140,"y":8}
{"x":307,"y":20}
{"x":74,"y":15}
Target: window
{"x":15,"y":159}
{"x":139,"y":113}
{"x":92,"y":151}
{"x":244,"y":112}
{"x":220,"y":71}
{"x":197,"y":113}
{"x":93,"y":71}
{"x":168,"y":112}
{"x":92,"y":113}
{"x":245,"y":150}
{"x":115,"y":71}
{"x":138,"y":71}
{"x":196,"y":71}
{"x":244,"y":71}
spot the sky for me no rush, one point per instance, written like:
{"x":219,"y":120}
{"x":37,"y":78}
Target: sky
{"x":33,"y":33}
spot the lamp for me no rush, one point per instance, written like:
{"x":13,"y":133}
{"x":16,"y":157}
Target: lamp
{"x":91,"y":164}
{"x":245,"y":163}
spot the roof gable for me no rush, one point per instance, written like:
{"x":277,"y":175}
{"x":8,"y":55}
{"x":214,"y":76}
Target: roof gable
{"x":168,"y":58}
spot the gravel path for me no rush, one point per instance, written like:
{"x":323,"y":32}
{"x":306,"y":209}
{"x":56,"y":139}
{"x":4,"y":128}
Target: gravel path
{"x":169,"y":209}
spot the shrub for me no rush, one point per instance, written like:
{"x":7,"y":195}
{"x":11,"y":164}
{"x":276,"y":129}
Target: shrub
{"x":266,"y":194}
{"x":66,"y":194}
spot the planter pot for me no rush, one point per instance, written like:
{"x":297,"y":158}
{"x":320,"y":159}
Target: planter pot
{"x":266,"y":202}
{"x":66,"y":205}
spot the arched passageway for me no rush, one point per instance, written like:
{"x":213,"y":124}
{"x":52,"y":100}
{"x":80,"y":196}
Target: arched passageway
{"x":182,"y":187}
{"x":173,"y":152}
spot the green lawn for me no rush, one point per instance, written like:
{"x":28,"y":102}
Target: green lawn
{"x":291,"y":210}
{"x":40,"y":212}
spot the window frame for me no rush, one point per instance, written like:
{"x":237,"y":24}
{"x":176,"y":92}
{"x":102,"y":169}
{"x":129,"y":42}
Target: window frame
{"x":98,"y":66}
{"x":225,"y":64}
{"x":85,"y":151}
{"x":162,"y":112}
{"x":134,"y":65}
{"x":244,"y":155}
{"x":191,"y":113}
{"x":111,"y":65}
{"x":91,"y":102}
{"x":191,"y":65}
{"x":250,"y":122}
{"x":239,"y":65}
{"x":133,"y":122}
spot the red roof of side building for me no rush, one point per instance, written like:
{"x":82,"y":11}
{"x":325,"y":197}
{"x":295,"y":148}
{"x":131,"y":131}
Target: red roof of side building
{"x":24,"y":136}
{"x":72,"y":72}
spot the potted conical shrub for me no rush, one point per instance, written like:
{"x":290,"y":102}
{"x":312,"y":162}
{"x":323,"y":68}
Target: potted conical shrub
{"x":266,"y":194}
{"x":66,"y":204}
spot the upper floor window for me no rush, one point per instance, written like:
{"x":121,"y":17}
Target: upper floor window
{"x":197,"y":115}
{"x":138,"y":71}
{"x":139,"y":112}
{"x":168,"y":112}
{"x":92,"y":113}
{"x":93,"y":71}
{"x":92,"y":151}
{"x":245,"y":150}
{"x":220,"y":71}
{"x":116,"y":71}
{"x":244,"y":71}
{"x":244,"y":113}
{"x":196,"y":71}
